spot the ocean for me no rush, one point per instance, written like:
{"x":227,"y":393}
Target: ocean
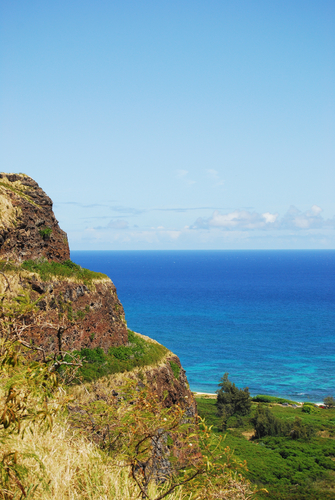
{"x":265,"y":317}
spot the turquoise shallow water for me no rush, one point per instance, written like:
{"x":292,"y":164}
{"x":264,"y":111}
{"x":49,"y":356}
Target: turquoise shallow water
{"x":266,"y":317}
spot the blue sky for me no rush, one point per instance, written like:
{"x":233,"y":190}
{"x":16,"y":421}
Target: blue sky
{"x":174,"y":124}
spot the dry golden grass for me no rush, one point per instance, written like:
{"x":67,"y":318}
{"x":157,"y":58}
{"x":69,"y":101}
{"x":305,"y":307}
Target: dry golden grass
{"x":8,"y":213}
{"x":74,"y":468}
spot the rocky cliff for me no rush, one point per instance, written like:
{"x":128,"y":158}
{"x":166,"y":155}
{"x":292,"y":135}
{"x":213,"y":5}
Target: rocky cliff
{"x":74,"y":308}
{"x":28,"y":227}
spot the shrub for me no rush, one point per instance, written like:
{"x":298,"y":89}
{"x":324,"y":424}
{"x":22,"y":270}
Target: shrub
{"x":267,"y":424}
{"x":309,"y":408}
{"x":301,"y":431}
{"x":45,"y":232}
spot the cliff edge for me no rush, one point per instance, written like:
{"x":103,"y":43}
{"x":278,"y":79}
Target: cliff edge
{"x":74,"y":308}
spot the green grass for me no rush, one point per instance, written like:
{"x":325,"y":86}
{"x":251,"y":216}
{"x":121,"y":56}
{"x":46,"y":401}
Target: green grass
{"x":175,"y":369}
{"x":290,"y":469}
{"x":68,"y":269}
{"x":138,"y":353}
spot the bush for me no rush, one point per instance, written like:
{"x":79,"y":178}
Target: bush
{"x":45,"y":232}
{"x":301,"y":431}
{"x":309,"y":408}
{"x":267,"y":424}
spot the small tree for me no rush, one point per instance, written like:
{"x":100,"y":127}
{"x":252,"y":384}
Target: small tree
{"x":329,"y":401}
{"x":231,"y":400}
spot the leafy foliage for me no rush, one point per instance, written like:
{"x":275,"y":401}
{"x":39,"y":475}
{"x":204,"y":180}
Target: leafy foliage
{"x":309,"y":408}
{"x":159,"y":444}
{"x":289,"y":467}
{"x":28,"y":398}
{"x":231,"y":400}
{"x":267,"y":424}
{"x":45,"y":232}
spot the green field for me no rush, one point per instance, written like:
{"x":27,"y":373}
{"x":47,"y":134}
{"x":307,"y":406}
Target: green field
{"x":290,"y":469}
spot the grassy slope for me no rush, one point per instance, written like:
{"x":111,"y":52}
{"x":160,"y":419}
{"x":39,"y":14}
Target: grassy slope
{"x":62,"y":270}
{"x":138,"y":353}
{"x":289,"y":469}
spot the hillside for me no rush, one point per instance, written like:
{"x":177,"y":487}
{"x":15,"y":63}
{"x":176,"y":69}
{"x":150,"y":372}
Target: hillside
{"x":109,"y":411}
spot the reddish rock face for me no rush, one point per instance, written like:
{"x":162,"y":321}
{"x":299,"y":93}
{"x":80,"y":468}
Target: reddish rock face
{"x":88,"y":316}
{"x":28,"y":227}
{"x":172,"y":390}
{"x":84,"y":316}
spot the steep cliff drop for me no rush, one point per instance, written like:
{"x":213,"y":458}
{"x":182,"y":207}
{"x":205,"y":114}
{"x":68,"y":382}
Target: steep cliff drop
{"x":76,"y":307}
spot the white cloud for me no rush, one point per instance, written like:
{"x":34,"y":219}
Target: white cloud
{"x":270,"y":218}
{"x":183,"y":174}
{"x":214,"y":176}
{"x":115,"y":224}
{"x":310,"y":219}
{"x":247,"y":220}
{"x":118,"y":224}
{"x":239,"y":219}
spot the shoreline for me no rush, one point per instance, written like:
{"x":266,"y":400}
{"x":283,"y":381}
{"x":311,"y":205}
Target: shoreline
{"x":213,"y":395}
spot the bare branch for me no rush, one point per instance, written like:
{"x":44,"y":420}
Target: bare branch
{"x":8,"y":285}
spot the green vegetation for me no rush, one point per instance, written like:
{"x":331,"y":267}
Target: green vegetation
{"x":310,"y":408}
{"x":138,"y":353}
{"x":111,"y":439}
{"x":329,"y":401}
{"x":89,"y":443}
{"x":17,"y":191}
{"x":28,"y":400}
{"x":45,"y":232}
{"x":232,"y":401}
{"x":68,"y":269}
{"x":175,"y":369}
{"x":267,"y":424}
{"x":296,"y":466}
{"x":261,"y":398}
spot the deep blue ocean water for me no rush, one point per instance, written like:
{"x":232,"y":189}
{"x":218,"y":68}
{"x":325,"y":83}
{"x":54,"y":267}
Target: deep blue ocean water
{"x":266,"y":317}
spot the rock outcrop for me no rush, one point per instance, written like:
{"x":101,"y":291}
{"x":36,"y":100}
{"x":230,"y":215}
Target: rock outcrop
{"x":91,"y":315}
{"x":28,"y":227}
